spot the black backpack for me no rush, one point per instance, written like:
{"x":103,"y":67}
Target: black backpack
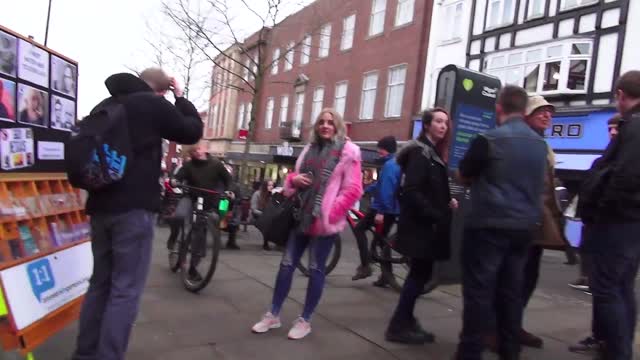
{"x":99,"y":151}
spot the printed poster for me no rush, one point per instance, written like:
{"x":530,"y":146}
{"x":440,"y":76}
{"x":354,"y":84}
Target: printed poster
{"x":32,"y":106}
{"x":33,"y":64}
{"x":16,"y":148}
{"x":63,"y":113}
{"x":8,"y":54}
{"x":7,"y":100}
{"x":64,"y":76}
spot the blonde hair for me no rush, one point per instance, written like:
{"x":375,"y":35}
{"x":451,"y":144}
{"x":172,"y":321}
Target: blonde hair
{"x":338,"y":122}
{"x":156,"y":78}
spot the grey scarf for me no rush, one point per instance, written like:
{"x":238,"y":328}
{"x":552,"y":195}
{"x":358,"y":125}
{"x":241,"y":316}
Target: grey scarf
{"x":318,"y":163}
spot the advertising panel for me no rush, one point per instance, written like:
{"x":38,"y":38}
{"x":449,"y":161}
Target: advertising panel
{"x":36,"y":288}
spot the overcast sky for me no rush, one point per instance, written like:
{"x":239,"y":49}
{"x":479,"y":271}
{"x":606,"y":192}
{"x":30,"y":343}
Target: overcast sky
{"x":104,"y":36}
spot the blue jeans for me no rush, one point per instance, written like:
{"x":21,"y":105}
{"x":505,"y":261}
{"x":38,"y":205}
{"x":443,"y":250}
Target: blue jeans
{"x":493,"y":272}
{"x":613,"y":274}
{"x":319,"y":249}
{"x":121,"y":246}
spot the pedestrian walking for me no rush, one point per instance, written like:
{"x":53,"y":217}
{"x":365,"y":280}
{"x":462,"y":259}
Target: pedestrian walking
{"x":424,"y":223}
{"x":384,"y":209}
{"x":259,"y":201}
{"x":122,"y":214}
{"x":505,"y":168}
{"x":328,"y":180}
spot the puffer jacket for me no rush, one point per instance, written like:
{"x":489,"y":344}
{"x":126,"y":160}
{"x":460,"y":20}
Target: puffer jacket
{"x":343,"y":189}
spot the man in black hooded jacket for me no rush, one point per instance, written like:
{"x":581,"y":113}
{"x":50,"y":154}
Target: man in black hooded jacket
{"x":122,"y":215}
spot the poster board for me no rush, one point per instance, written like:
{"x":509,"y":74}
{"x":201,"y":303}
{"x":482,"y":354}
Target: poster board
{"x":469,"y":97}
{"x":38,"y":105}
{"x":45,"y":253}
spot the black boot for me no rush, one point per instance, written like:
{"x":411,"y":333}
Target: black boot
{"x":231,"y":243}
{"x":407,"y":332}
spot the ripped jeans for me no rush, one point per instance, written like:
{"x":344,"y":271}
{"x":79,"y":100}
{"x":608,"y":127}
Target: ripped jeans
{"x":319,"y":249}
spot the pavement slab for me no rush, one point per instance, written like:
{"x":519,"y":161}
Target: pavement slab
{"x":349,"y":323}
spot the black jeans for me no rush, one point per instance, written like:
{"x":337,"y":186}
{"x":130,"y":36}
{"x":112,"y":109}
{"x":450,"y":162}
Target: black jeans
{"x":361,"y":228}
{"x":420,"y":273}
{"x":493,"y":263}
{"x":613,"y":275}
{"x":532,"y":272}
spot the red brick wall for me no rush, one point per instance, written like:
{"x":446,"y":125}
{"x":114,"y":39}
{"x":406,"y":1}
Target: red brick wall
{"x":403,"y":45}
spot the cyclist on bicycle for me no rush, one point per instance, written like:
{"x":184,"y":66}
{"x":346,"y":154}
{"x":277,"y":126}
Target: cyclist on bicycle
{"x":205,"y":172}
{"x":384,"y":209}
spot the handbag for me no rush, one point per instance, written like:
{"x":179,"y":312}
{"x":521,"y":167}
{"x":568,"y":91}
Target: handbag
{"x":279,"y":217}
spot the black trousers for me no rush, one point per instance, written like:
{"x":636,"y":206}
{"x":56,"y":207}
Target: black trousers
{"x":531,"y":272}
{"x":493,"y":262}
{"x":361,"y":228}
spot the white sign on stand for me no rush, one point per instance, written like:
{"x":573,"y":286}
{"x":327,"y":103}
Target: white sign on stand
{"x":36,"y":288}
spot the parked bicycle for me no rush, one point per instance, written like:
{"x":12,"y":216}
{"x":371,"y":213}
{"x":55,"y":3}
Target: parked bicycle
{"x":195,"y":253}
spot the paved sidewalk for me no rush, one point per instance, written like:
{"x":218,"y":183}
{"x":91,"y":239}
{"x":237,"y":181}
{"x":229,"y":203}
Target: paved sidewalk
{"x":349,"y":324}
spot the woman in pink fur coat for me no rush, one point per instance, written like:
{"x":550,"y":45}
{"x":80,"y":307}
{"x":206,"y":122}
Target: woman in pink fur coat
{"x":328,"y":179}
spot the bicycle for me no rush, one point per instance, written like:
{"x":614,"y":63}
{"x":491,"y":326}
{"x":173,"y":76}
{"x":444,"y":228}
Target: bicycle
{"x":381,"y":251}
{"x":183,"y":254}
{"x":394,"y":266}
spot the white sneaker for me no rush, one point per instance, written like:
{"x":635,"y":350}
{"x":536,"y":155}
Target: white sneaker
{"x":268,"y":322}
{"x":300,"y":329}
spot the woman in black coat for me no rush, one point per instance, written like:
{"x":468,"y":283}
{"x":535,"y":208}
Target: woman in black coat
{"x":425,"y":219}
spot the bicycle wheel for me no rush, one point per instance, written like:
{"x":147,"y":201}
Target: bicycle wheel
{"x":332,"y":260}
{"x":198,"y":267}
{"x":393,"y":265}
{"x":174,"y":251}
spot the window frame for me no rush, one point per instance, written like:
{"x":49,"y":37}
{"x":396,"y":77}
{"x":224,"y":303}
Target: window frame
{"x":316,"y":111}
{"x":289,"y":57}
{"x":374,"y":13}
{"x":365,"y":91}
{"x":564,"y":7}
{"x":240,"y":116}
{"x":565,"y":57}
{"x":336,"y":98}
{"x":503,"y":22}
{"x":325,"y":36}
{"x":409,"y":20}
{"x":284,"y":115}
{"x":387,"y":113}
{"x":305,"y":53}
{"x":530,"y":5}
{"x":298,"y":108}
{"x":269,"y":110}
{"x":452,"y":16}
{"x":275,"y":61}
{"x":351,"y":36}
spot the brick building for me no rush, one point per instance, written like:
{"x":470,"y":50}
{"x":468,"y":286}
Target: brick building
{"x":366,"y":58}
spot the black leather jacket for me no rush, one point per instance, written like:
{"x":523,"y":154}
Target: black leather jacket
{"x":620,"y":198}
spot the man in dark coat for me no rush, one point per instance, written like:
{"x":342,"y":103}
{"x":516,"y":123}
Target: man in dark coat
{"x":122,"y":214}
{"x":610,"y":209}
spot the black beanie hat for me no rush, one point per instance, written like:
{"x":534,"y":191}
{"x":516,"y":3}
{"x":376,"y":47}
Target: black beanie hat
{"x":388,"y":143}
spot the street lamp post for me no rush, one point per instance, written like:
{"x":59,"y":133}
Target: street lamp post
{"x":46,"y":32}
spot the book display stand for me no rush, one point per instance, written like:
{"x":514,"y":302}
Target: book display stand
{"x":45,"y":258}
{"x":45,"y":253}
